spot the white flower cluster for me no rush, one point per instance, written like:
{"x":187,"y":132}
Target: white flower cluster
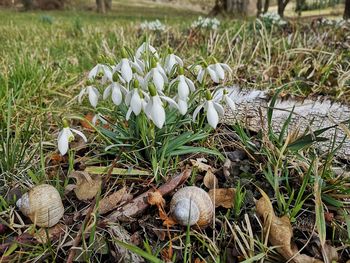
{"x":274,"y":18}
{"x":155,"y":25}
{"x":339,"y":22}
{"x":141,"y":82}
{"x":206,"y":23}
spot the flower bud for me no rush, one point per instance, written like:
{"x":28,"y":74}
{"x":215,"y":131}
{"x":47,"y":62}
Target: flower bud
{"x":153,"y":62}
{"x":136,"y":84}
{"x":181,"y":70}
{"x":124,"y":53}
{"x":152,"y":90}
{"x":65,"y":123}
{"x":208,"y":95}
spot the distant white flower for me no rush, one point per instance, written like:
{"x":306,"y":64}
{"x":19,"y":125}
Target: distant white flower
{"x":170,"y":61}
{"x":65,"y":136}
{"x":93,"y":95}
{"x":206,"y":23}
{"x":145,"y":47}
{"x":155,"y":25}
{"x":213,"y":110}
{"x":117,"y":92}
{"x":101,"y":71}
{"x":185,"y":85}
{"x":216,"y":72}
{"x":225,"y":96}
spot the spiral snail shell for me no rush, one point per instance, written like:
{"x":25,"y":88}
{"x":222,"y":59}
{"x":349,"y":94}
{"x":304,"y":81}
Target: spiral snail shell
{"x":191,"y":205}
{"x":42,"y":204}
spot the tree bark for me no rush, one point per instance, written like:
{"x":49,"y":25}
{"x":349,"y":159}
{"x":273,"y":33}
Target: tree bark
{"x":259,"y":7}
{"x":101,"y":7}
{"x":266,"y":6}
{"x":347,"y":10}
{"x":282,"y":6}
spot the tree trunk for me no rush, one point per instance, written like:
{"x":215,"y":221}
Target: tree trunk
{"x":235,"y":7}
{"x":347,"y":10}
{"x":108,"y":4}
{"x":266,"y":6}
{"x":101,"y":8}
{"x":259,"y":7}
{"x":281,"y":6}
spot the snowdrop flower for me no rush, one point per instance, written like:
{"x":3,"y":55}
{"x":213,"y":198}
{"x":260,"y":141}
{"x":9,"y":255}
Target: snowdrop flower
{"x":93,"y":95}
{"x":216,"y":72}
{"x":213,"y":110}
{"x":124,"y":67}
{"x":65,"y":136}
{"x":117,"y":91}
{"x":101,"y":71}
{"x":185,"y":85}
{"x":224,"y":96}
{"x":170,"y":61}
{"x":157,"y":76}
{"x":182,"y":105}
{"x":145,"y":47}
{"x":155,"y":108}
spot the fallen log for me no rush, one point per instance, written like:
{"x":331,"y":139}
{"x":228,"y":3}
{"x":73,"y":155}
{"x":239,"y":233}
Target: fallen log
{"x":308,"y":114}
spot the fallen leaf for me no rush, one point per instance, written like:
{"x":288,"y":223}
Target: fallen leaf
{"x":87,"y":120}
{"x":156,"y":198}
{"x":86,"y":186}
{"x":202,"y":167}
{"x":111,"y":201}
{"x":226,"y":167}
{"x":280,"y":232}
{"x":222,"y":197}
{"x":210,"y":180}
{"x":44,"y":235}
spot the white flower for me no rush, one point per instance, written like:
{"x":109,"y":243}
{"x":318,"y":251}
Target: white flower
{"x":155,"y":109}
{"x":124,"y":67}
{"x":102,"y":71}
{"x":157,"y":76}
{"x":206,"y":23}
{"x":213,"y":110}
{"x":225,"y":96}
{"x":93,"y":95}
{"x":170,"y":61}
{"x":98,"y":117}
{"x":216,"y":72}
{"x":185,"y":85}
{"x":117,"y":91}
{"x":145,"y":47}
{"x":65,"y":136}
{"x":155,"y":25}
{"x":182,"y":105}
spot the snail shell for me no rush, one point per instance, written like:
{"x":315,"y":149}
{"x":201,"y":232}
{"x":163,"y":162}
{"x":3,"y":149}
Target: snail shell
{"x":42,"y":204}
{"x":192,"y":205}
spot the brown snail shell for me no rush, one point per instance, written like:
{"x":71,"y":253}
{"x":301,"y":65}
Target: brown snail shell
{"x":192,"y":205}
{"x":42,"y":204}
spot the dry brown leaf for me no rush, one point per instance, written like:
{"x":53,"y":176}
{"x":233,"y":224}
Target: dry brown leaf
{"x":43,"y":235}
{"x":280,"y":232}
{"x":199,"y":163}
{"x":156,"y":198}
{"x":222,"y":197}
{"x":86,"y":122}
{"x":87,"y":185}
{"x":111,"y":201}
{"x":210,"y":180}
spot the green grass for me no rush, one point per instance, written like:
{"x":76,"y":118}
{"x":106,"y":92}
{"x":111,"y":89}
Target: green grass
{"x":44,"y":59}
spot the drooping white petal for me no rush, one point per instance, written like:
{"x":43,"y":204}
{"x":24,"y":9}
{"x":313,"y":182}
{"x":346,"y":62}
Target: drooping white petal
{"x":190,"y":84}
{"x":219,"y":109}
{"x":81,"y":94}
{"x":213,"y":75}
{"x":219,"y":71}
{"x":179,"y":60}
{"x":62,"y":142}
{"x":196,"y":111}
{"x":230,"y":102}
{"x":117,"y":96}
{"x":126,"y":70}
{"x":128,"y":97}
{"x":182,"y":88}
{"x":169,"y":62}
{"x":157,"y":112}
{"x":158,"y":79}
{"x":183,"y":107}
{"x":212,"y":115}
{"x":171,"y":102}
{"x":136,"y":103}
{"x":80,"y":134}
{"x":128,"y":114}
{"x":200,"y":76}
{"x":226,"y":67}
{"x":94,"y":71}
{"x":107,"y":91}
{"x":107,"y":73}
{"x":93,"y":95}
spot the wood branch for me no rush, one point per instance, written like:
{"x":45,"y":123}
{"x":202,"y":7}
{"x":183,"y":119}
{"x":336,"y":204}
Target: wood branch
{"x":308,"y":114}
{"x":138,"y":205}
